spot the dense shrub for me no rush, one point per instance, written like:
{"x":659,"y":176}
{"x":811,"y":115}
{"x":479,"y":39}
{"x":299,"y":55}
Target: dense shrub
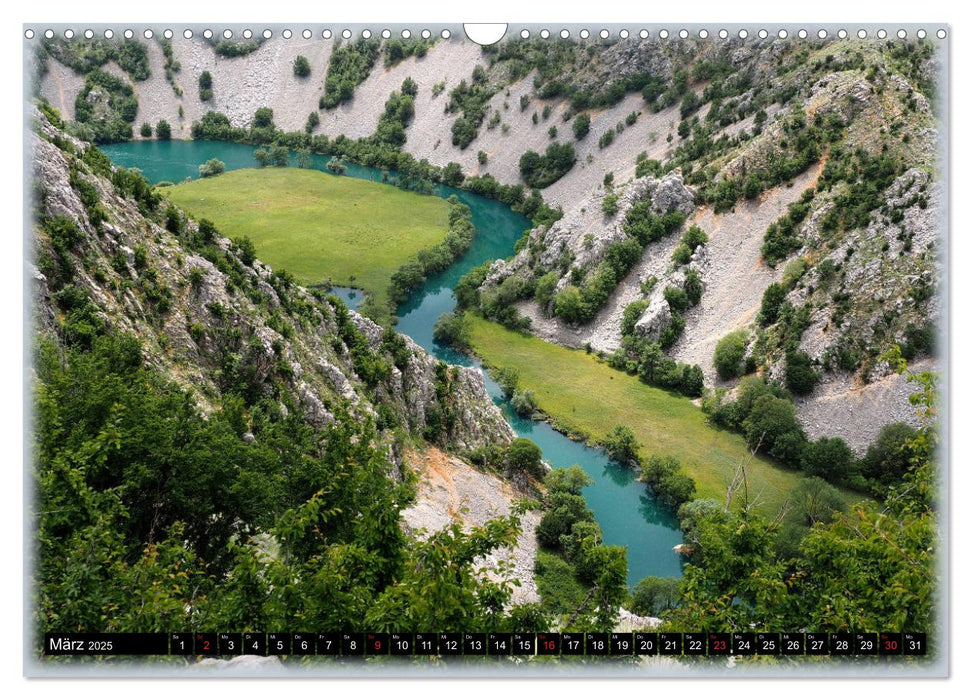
{"x":772,"y":299}
{"x":610,"y":204}
{"x":693,"y":287}
{"x":637,"y":355}
{"x":215,"y":126}
{"x":801,"y":378}
{"x":230,"y":48}
{"x":163,"y":131}
{"x":146,"y":130}
{"x":581,"y":126}
{"x":730,"y":353}
{"x":211,"y":167}
{"x":107,"y":105}
{"x":632,"y":314}
{"x":397,"y":50}
{"x":889,"y":456}
{"x":409,"y":87}
{"x":458,"y":239}
{"x":301,"y":67}
{"x":263,"y":118}
{"x":773,"y":428}
{"x":399,"y":110}
{"x":205,"y":86}
{"x":525,"y":456}
{"x":670,"y":485}
{"x":646,"y":226}
{"x":830,"y":458}
{"x":676,"y":298}
{"x":349,"y":66}
{"x":542,"y":171}
{"x":464,"y":132}
{"x":545,"y":289}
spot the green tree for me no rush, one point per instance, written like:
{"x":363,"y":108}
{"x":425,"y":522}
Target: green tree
{"x":622,"y":445}
{"x":205,"y":86}
{"x":830,"y":458}
{"x":569,"y":304}
{"x":212,"y":167}
{"x":581,"y":126}
{"x":301,"y":67}
{"x":262,"y":156}
{"x":453,"y":329}
{"x":772,"y":427}
{"x":889,"y":456}
{"x":280,"y":156}
{"x":146,"y":130}
{"x":676,"y":298}
{"x":652,"y":595}
{"x":693,"y":287}
{"x":523,"y":402}
{"x":670,"y":485}
{"x":263,"y":118}
{"x":801,"y":378}
{"x":570,"y":480}
{"x":562,"y":512}
{"x":772,"y":300}
{"x":729,"y":354}
{"x":163,"y":132}
{"x":525,"y":456}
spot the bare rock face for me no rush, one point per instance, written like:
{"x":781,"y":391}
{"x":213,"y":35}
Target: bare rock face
{"x":452,"y":491}
{"x":655,"y":318}
{"x":478,"y":421}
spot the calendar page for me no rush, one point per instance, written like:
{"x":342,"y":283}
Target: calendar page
{"x":486,"y":350}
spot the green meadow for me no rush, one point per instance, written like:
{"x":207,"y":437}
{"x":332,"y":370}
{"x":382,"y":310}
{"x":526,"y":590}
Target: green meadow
{"x":317,"y":226}
{"x":582,"y":395}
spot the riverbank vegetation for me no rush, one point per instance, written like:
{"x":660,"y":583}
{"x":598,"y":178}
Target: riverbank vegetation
{"x":383,"y":151}
{"x":583,"y":396}
{"x":324,"y":229}
{"x":823,"y":567}
{"x":580,"y":579}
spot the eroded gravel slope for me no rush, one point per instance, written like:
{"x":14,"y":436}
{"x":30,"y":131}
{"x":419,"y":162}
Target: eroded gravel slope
{"x":449,"y":490}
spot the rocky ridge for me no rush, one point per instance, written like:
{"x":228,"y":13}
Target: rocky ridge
{"x":129,"y":259}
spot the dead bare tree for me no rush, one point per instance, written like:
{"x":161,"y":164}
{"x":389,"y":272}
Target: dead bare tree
{"x":740,"y":481}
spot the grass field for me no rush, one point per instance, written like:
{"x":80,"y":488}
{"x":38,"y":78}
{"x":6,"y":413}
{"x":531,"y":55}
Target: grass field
{"x":581,"y":394}
{"x":318,"y":226}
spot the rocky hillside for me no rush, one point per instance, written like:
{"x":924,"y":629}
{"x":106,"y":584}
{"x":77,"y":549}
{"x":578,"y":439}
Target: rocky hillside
{"x":809,"y":166}
{"x":112,"y":254}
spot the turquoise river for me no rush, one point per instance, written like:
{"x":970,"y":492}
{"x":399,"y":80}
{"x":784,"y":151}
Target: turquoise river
{"x":624,"y":508}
